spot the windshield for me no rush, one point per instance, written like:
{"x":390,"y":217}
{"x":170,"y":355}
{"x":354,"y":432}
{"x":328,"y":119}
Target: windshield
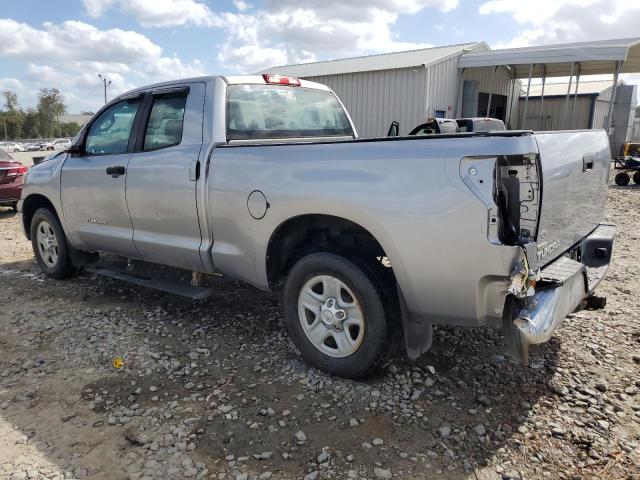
{"x":278,"y":111}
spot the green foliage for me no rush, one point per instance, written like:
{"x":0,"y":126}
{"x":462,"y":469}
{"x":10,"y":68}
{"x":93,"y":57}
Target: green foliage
{"x":40,"y":122}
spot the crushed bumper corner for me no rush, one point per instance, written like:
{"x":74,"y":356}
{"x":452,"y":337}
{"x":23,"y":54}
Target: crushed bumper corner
{"x":565,"y":286}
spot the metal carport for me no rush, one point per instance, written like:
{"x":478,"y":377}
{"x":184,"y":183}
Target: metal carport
{"x":567,"y":60}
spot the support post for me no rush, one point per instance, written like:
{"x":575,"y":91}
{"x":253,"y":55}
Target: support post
{"x":460,"y":95}
{"x":493,"y":79}
{"x":566,"y":99}
{"x":542,"y":119}
{"x":616,"y":73}
{"x":526,"y":98}
{"x":512,"y":92}
{"x":575,"y":96}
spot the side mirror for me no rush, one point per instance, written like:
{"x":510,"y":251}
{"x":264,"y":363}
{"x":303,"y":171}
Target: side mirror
{"x":75,"y":149}
{"x":394,"y":129}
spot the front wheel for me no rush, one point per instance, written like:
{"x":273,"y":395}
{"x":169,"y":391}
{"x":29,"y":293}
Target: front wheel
{"x":339,"y":313}
{"x":50,"y":245}
{"x":636,"y":177}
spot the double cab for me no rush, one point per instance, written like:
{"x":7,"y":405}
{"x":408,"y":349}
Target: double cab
{"x":370,"y":241}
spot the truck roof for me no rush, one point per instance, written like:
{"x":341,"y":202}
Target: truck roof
{"x":228,"y":79}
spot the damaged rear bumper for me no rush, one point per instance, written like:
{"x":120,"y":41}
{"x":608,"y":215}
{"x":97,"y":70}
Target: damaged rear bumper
{"x":564,"y":287}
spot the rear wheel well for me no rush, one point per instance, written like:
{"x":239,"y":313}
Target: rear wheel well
{"x":29,"y":207}
{"x":305,"y":234}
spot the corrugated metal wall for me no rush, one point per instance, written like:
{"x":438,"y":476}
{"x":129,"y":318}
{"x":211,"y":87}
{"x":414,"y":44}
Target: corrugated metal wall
{"x":602,"y":108}
{"x":442,"y":88}
{"x":408,"y":95}
{"x":375,"y":99}
{"x":553,"y":111}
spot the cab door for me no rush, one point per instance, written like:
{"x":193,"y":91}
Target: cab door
{"x":162,"y":177}
{"x":93,"y":182}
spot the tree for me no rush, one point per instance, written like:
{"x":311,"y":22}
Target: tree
{"x":12,"y":118}
{"x":50,"y":107}
{"x":69,"y":129}
{"x":10,"y":100}
{"x":31,"y":125}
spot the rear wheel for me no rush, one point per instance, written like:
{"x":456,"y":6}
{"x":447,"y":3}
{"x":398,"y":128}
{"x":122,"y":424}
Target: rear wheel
{"x":50,"y":245}
{"x":636,"y":177}
{"x":339,"y":313}
{"x":622,"y":179}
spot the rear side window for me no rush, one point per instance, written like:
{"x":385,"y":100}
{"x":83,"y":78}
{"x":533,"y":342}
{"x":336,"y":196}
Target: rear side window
{"x":164,"y":128}
{"x":278,"y":111}
{"x":110,"y":132}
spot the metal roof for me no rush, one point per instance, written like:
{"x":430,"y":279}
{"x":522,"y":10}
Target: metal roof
{"x":595,"y":57}
{"x":584,"y":88}
{"x":384,"y":61}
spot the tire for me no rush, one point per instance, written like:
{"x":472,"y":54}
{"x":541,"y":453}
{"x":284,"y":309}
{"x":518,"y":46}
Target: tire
{"x":361,"y":342}
{"x":50,"y":245}
{"x":622,"y":179}
{"x":636,"y":177}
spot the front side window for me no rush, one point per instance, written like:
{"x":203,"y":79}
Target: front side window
{"x":279,"y":111}
{"x":110,"y":133}
{"x":164,"y":128}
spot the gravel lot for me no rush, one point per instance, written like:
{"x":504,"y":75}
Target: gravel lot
{"x":212,"y":389}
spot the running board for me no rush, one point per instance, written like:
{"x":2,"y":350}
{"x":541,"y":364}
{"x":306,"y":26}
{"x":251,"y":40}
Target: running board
{"x":177,"y":288}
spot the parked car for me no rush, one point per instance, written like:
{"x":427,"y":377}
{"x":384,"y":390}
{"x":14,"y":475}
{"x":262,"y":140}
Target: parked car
{"x":480,"y":124}
{"x":12,"y":147}
{"x":11,"y":179}
{"x":435,"y":126}
{"x":61,"y":144}
{"x":369,"y":241}
{"x":34,"y":147}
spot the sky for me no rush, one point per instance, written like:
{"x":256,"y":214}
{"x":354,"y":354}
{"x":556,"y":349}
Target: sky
{"x":65,"y":44}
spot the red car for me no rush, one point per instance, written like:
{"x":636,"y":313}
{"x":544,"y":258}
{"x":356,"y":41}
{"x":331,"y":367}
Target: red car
{"x":11,"y":178}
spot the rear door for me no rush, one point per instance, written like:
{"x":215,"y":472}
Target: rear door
{"x":93,"y":182}
{"x":162,"y":177}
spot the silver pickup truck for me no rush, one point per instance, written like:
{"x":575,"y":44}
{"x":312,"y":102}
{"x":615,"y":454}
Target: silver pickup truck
{"x":369,"y":241}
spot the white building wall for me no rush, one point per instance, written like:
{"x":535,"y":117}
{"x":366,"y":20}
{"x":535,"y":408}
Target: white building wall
{"x":442,"y":88}
{"x":552,"y":115}
{"x":602,"y":108}
{"x":375,"y":99}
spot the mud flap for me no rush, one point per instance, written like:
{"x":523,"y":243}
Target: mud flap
{"x":418,"y":334}
{"x":516,"y":343}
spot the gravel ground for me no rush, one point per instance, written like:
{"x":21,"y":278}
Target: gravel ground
{"x":212,"y":389}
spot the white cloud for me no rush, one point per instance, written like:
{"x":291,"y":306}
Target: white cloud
{"x":241,"y":5}
{"x":159,"y":13}
{"x":69,"y":56}
{"x":285,"y":31}
{"x":558,"y":21}
{"x":71,"y":39}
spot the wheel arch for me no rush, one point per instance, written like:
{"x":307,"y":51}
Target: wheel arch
{"x":307,"y":233}
{"x":29,"y":207}
{"x":290,"y":241}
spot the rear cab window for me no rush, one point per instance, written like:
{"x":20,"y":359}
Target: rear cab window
{"x":283,"y":112}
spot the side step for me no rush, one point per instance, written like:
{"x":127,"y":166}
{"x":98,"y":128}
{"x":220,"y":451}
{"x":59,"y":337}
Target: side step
{"x":165,"y":285}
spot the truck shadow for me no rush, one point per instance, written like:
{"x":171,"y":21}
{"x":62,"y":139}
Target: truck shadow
{"x":449,"y":412}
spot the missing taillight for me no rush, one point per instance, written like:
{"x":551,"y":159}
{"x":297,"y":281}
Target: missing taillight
{"x":517,"y":195}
